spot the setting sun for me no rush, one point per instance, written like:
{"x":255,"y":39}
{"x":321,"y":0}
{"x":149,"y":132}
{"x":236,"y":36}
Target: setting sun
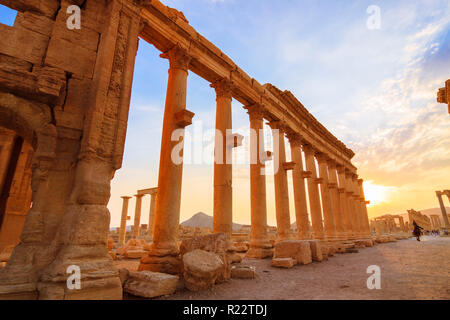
{"x":377,"y":194}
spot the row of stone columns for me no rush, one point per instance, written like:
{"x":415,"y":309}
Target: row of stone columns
{"x":344,"y":216}
{"x":137,"y":217}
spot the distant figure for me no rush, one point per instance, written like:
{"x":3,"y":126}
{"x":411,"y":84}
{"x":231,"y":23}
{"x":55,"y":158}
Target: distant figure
{"x":416,"y":231}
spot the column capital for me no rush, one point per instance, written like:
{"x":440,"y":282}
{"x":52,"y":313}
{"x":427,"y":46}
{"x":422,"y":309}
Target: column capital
{"x":277,"y":124}
{"x":255,"y":111}
{"x":125,"y":197}
{"x":322,"y":157}
{"x":332,"y":163}
{"x":340,"y":168}
{"x":223,"y":87}
{"x":178,"y":57}
{"x":308,"y":148}
{"x":139,"y":195}
{"x":295,"y":138}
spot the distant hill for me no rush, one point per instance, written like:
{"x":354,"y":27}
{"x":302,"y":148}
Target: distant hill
{"x":203,"y":220}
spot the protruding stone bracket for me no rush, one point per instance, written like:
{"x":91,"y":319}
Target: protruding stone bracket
{"x":183,"y":118}
{"x":367,"y":202}
{"x":332,"y":185}
{"x":289,"y":165}
{"x":306,"y":174}
{"x":319,"y":180}
{"x":235,"y":140}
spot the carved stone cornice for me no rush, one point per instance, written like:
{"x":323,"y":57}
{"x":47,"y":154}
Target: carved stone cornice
{"x":178,"y":58}
{"x":223,"y":87}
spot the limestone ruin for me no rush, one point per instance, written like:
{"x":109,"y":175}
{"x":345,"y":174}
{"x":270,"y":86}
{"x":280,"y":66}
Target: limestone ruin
{"x":64,"y":102}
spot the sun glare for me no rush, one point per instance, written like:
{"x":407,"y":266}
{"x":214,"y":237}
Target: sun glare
{"x":376,"y":194}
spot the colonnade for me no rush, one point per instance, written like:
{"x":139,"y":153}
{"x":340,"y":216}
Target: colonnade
{"x":335,"y":194}
{"x":136,"y":231}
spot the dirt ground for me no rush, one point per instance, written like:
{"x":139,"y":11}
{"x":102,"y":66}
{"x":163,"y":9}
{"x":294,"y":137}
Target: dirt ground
{"x":409,"y":270}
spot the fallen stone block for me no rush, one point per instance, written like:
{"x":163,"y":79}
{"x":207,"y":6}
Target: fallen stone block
{"x":283,"y":262}
{"x":201,"y":269}
{"x":316,"y":250}
{"x":134,"y":254}
{"x":243,"y":272}
{"x":216,"y":243}
{"x":149,"y":284}
{"x":299,"y":250}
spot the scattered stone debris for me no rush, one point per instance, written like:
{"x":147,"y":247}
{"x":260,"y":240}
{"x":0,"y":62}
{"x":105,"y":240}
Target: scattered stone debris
{"x":243,"y":272}
{"x":150,"y":284}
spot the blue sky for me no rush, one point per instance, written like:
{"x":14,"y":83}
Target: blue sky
{"x":373,"y":89}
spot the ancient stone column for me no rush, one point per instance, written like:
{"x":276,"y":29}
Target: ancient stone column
{"x":328,"y":212}
{"x":357,"y":205}
{"x":350,"y":204}
{"x":223,"y":193}
{"x":137,"y":216}
{"x":345,"y":218}
{"x":365,"y":227}
{"x":444,"y":213}
{"x":123,"y":221}
{"x":151,"y":215}
{"x":163,"y":254}
{"x":298,"y":178}
{"x":259,"y":241}
{"x":313,"y":192}
{"x":336,"y":200}
{"x":280,"y":182}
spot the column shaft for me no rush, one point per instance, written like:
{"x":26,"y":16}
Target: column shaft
{"x":137,"y":216}
{"x":350,"y":206}
{"x":151,"y":215}
{"x":328,"y":212}
{"x":280,"y":182}
{"x":346,"y":222}
{"x":301,"y":210}
{"x":357,"y":206}
{"x":313,"y":192}
{"x":336,"y":200}
{"x":223,"y":193}
{"x":259,"y":240}
{"x":168,"y":199}
{"x":123,"y":221}
{"x":364,"y":215}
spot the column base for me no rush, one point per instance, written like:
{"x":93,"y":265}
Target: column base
{"x":170,"y":264}
{"x":259,"y":253}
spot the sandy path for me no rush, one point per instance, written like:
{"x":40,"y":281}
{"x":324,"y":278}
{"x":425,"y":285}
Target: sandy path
{"x":409,"y":270}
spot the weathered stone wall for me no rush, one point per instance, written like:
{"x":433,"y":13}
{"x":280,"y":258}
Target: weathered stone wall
{"x":67,"y":91}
